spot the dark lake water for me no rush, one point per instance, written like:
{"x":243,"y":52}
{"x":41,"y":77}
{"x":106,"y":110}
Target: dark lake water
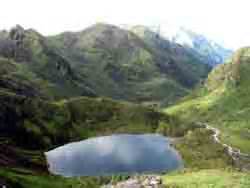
{"x":114,"y":154}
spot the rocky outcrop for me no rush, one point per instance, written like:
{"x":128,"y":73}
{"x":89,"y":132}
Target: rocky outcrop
{"x":146,"y":181}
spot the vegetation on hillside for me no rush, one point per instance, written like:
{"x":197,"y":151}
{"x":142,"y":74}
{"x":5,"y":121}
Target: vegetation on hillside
{"x":223,"y":102}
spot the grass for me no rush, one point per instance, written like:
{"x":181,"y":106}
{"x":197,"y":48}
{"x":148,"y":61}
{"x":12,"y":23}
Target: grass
{"x":219,"y":178}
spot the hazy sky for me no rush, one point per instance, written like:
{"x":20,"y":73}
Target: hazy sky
{"x":227,"y":21}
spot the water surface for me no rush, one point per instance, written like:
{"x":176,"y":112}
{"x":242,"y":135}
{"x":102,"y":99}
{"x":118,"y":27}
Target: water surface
{"x":114,"y":155}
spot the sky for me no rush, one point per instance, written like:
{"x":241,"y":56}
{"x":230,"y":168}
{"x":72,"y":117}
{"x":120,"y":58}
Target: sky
{"x":225,"y":21}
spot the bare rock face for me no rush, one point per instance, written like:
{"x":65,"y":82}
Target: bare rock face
{"x":21,"y":52}
{"x":7,"y":48}
{"x":12,"y":44}
{"x":17,"y":33}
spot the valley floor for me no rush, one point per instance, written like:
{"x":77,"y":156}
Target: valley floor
{"x":206,"y":162}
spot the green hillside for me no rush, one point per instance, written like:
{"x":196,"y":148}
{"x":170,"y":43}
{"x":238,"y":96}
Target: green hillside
{"x":223,"y":102}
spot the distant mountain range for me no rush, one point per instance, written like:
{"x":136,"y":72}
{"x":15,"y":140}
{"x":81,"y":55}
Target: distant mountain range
{"x":207,"y":50}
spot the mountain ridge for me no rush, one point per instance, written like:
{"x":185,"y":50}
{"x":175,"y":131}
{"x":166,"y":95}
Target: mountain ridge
{"x":126,"y":60}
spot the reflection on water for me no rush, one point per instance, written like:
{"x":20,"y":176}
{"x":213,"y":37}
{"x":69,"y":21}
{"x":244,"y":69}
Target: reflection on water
{"x":113,"y":155}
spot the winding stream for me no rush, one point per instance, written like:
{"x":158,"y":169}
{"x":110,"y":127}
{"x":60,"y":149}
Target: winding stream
{"x":234,"y":153}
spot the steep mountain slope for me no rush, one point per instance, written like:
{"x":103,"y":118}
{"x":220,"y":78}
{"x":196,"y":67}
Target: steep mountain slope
{"x":223,"y":102}
{"x":118,"y":64}
{"x":207,"y":50}
{"x":31,"y":58}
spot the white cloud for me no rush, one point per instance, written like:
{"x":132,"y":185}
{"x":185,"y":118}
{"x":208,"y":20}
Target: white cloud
{"x":224,"y":20}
